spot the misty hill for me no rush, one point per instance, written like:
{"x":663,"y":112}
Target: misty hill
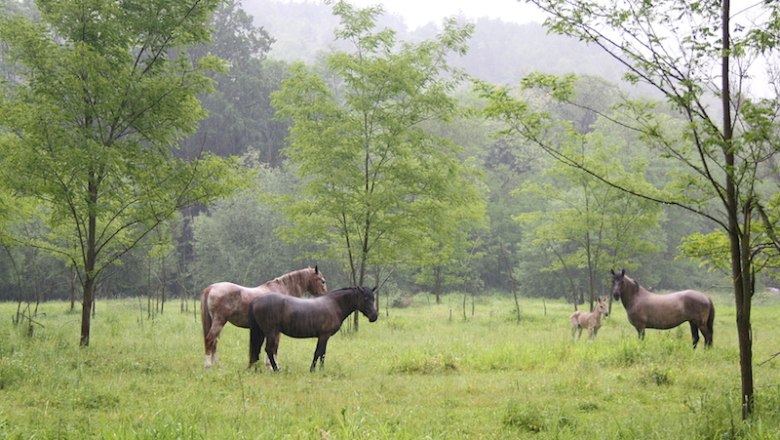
{"x":500,"y":52}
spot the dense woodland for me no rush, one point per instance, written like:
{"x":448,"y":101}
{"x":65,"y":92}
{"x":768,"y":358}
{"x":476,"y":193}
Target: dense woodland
{"x":534,"y":237}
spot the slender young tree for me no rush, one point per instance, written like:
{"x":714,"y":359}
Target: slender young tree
{"x":88,"y":130}
{"x":372,"y":177}
{"x":693,"y":54}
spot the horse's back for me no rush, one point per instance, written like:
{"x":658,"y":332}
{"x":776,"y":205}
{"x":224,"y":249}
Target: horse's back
{"x":268,"y":308}
{"x":230,"y":301}
{"x":691,"y":300}
{"x":295,"y":317}
{"x":669,"y":310}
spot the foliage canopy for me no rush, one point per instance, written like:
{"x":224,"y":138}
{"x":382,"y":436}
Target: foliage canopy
{"x":102,"y":96}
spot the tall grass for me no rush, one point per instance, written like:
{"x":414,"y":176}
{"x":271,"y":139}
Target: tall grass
{"x":421,"y":372}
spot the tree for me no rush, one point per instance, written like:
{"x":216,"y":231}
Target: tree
{"x":372,"y":177}
{"x":586,"y":225}
{"x":235,"y":240}
{"x":690,"y":53}
{"x":240,"y":116}
{"x":89,"y":130}
{"x":445,"y":250}
{"x":577,"y":227}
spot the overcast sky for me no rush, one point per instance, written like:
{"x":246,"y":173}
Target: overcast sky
{"x":420,"y":12}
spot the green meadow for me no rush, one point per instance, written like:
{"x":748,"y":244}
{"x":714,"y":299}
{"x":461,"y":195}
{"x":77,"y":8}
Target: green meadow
{"x":422,"y":371}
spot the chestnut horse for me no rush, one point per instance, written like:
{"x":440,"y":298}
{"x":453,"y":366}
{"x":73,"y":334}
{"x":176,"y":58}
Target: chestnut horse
{"x":321,"y":318}
{"x":225,"y":302}
{"x":589,"y":320}
{"x":648,"y":310}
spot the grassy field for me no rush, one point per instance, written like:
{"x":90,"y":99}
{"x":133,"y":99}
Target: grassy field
{"x":419,"y":372}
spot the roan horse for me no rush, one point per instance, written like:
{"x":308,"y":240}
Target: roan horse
{"x":227,"y":302}
{"x":321,"y":317}
{"x":648,"y":310}
{"x":589,"y":320}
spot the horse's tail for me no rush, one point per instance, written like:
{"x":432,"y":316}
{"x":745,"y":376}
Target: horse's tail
{"x":574,"y":318}
{"x":256,"y":336}
{"x":710,"y":323}
{"x":205,"y":316}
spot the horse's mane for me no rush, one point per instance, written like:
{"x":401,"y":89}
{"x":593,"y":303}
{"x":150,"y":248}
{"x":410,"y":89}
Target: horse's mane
{"x":638,"y":288}
{"x":343,"y":290}
{"x":292,"y":278}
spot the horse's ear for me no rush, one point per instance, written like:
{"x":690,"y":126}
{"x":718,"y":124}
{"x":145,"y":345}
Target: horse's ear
{"x":622,"y":272}
{"x":612,"y":272}
{"x":316,"y":269}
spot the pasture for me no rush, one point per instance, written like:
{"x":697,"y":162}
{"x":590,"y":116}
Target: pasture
{"x":418,"y":372}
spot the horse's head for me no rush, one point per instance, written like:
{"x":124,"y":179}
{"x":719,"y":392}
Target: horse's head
{"x":617,"y":283}
{"x":602,"y":306}
{"x":366,"y":303}
{"x":316,"y":284}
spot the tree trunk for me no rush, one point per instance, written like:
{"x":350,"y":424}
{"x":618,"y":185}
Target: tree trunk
{"x":361,"y":277}
{"x":739,"y":242}
{"x":437,"y":284}
{"x":72,"y":293}
{"x":89,"y":264}
{"x":86,"y":310}
{"x":745,"y":356}
{"x":743,"y":293}
{"x":511,"y":276}
{"x":163,"y":282}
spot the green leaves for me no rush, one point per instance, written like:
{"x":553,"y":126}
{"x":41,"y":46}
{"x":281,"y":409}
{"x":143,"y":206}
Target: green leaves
{"x":93,"y":121}
{"x":372,"y":177}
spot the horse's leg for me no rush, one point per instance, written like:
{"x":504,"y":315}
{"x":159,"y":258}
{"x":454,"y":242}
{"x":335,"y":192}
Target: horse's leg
{"x":211,"y":342}
{"x":205,"y":318}
{"x":271,"y":345}
{"x":319,"y":352}
{"x":694,"y":333}
{"x":322,"y":355}
{"x":256,"y":339}
{"x":574,"y":323}
{"x":641,"y":333}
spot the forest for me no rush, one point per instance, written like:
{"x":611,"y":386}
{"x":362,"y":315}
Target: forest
{"x":525,"y":233}
{"x":151,"y":148}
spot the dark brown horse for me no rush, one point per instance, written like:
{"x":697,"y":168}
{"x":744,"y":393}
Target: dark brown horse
{"x":224,"y":302}
{"x":272,"y":314}
{"x":648,"y":310}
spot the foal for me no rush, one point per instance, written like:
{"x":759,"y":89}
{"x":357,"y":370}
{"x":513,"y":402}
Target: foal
{"x":590,"y":321}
